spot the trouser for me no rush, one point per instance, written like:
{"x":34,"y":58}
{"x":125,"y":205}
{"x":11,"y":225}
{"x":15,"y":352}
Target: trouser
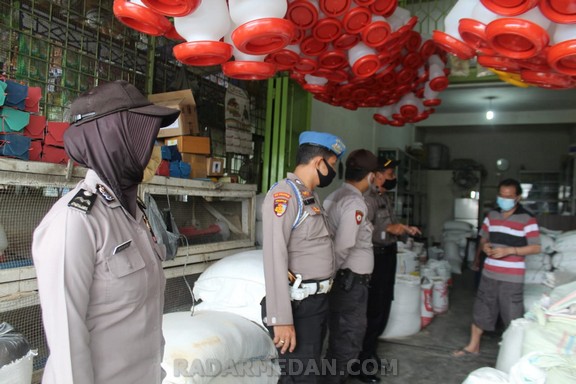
{"x":347,"y":324}
{"x":310,"y":322}
{"x":380,"y":297}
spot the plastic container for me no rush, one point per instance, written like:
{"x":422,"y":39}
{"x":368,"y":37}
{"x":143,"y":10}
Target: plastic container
{"x":173,"y":8}
{"x":139,"y":17}
{"x":334,"y":8}
{"x":262,"y":28}
{"x":356,"y":19}
{"x":473,"y":29}
{"x":327,"y":29}
{"x":438,"y":79}
{"x":509,"y":7}
{"x":315,"y":84}
{"x":303,"y":13}
{"x":559,"y":11}
{"x":450,"y":40}
{"x":562,"y":54}
{"x":363,"y":60}
{"x":376,"y":33}
{"x":202,"y":30}
{"x":286,"y":58}
{"x":384,"y":7}
{"x":384,"y":114}
{"x":247,"y":67}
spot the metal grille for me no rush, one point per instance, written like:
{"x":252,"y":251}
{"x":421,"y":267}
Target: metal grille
{"x":430,"y":13}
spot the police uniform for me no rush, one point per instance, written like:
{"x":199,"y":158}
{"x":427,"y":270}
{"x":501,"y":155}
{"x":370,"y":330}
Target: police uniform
{"x":101,"y":288}
{"x":296,"y":239}
{"x":381,"y":293}
{"x":347,"y":216}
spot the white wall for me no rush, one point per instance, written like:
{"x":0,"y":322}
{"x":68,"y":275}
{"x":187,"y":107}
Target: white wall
{"x":358,"y":130}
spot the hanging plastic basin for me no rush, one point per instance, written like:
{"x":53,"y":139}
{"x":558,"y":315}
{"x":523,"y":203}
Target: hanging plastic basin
{"x":203,"y":53}
{"x":562,"y":57}
{"x":509,"y":7}
{"x":263,"y":36}
{"x":516,"y":38}
{"x":173,"y":8}
{"x":140,"y":18}
{"x":249,"y":70}
{"x":302,"y":13}
{"x":452,"y":45}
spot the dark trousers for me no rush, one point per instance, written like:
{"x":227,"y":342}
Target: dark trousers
{"x":347,"y":324}
{"x":310,"y":322}
{"x":380,"y":297}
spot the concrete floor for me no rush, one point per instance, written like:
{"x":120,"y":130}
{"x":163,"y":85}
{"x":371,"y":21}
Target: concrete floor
{"x":425,"y":357}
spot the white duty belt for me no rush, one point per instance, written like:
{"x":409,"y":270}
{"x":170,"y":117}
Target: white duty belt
{"x":300,"y":290}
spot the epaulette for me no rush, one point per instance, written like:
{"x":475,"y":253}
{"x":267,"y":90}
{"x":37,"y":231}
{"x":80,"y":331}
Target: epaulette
{"x":83,"y":201}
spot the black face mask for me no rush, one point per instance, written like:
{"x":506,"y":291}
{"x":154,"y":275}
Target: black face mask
{"x":390,"y":184}
{"x":325,"y":180}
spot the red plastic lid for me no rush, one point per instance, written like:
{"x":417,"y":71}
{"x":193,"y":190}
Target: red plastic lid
{"x":327,"y":29}
{"x":302,"y":13}
{"x":412,"y":60}
{"x":173,"y":8}
{"x":306,"y":65}
{"x":408,"y":111}
{"x":439,"y":84}
{"x":380,"y":118}
{"x":356,"y":19}
{"x":422,"y":77}
{"x":360,"y":94}
{"x":312,"y":47}
{"x":202,"y":53}
{"x":396,"y":123}
{"x":332,"y":59}
{"x":141,"y":19}
{"x":336,"y":76}
{"x":537,"y":63}
{"x":315,"y":88}
{"x":451,"y":44}
{"x":401,"y":90}
{"x":427,"y":49}
{"x":516,"y":38}
{"x":562,"y":57}
{"x":364,"y":3}
{"x":345,"y":91}
{"x":297,"y":76}
{"x":346,"y":41}
{"x":432,"y":102}
{"x":366,"y":66}
{"x":298,"y":36}
{"x":383,"y":7}
{"x":172,"y":34}
{"x":388,"y":79}
{"x":323,"y":97}
{"x":350,"y":105}
{"x":405,"y":76}
{"x":263,"y":36}
{"x":284,"y":59}
{"x":376,"y":33}
{"x":500,"y":63}
{"x":509,"y":7}
{"x":334,"y":8}
{"x":372,"y":101}
{"x":562,"y":12}
{"x":249,"y":70}
{"x":414,"y":41}
{"x":547,"y":79}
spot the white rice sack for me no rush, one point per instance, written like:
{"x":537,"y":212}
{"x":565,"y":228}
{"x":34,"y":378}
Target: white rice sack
{"x":538,"y":262}
{"x":439,"y":295}
{"x":405,"y":312}
{"x":550,"y":232}
{"x":487,"y":375}
{"x":534,"y":295}
{"x":459,"y":238}
{"x":546,"y":243}
{"x":525,"y":372}
{"x":565,"y":261}
{"x":565,"y":242}
{"x":435,"y":253}
{"x":457,"y":226}
{"x":234,"y":284}
{"x":408,"y":262}
{"x":534,"y":276}
{"x":510,"y":350}
{"x":208,"y":344}
{"x":19,"y":371}
{"x":250,"y":372}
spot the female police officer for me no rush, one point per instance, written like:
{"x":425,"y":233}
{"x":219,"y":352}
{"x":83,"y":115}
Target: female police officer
{"x":99,"y":269}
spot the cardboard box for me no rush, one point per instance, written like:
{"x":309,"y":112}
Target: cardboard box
{"x":187,"y":122}
{"x":198,"y":164}
{"x":215,"y":166}
{"x":199,"y":145}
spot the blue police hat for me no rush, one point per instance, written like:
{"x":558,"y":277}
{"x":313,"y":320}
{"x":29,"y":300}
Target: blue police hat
{"x":327,"y":140}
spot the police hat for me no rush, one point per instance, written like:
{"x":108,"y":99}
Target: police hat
{"x":327,"y":140}
{"x":114,"y":97}
{"x":386,"y":164}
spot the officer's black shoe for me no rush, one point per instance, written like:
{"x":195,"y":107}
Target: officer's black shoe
{"x":365,"y":378}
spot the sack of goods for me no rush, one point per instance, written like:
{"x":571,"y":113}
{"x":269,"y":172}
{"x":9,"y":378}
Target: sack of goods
{"x":565,"y":242}
{"x":15,"y":357}
{"x":408,"y":263}
{"x":405,"y":317}
{"x":439,"y":295}
{"x":565,"y":261}
{"x":426,"y":310}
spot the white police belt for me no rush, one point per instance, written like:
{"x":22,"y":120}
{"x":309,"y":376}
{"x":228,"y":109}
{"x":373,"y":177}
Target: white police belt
{"x":300,"y":290}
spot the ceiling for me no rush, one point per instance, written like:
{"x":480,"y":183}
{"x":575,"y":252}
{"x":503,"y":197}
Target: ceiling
{"x":472,"y":98}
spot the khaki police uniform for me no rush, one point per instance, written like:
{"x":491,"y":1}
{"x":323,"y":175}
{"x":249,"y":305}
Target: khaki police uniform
{"x":381,"y":293}
{"x":101,"y":287}
{"x":296,"y":239}
{"x":347,"y":211}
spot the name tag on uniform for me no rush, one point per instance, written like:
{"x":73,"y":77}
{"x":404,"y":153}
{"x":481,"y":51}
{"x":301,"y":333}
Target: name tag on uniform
{"x":121,"y":247}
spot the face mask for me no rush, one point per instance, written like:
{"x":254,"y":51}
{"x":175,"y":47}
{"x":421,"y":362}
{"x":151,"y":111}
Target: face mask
{"x":505,"y":204}
{"x":390,"y":184}
{"x":153,"y":164}
{"x":325,"y":180}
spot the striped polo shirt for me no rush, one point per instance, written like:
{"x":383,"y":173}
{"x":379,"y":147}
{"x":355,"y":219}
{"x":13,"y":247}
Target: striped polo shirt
{"x":518,"y":230}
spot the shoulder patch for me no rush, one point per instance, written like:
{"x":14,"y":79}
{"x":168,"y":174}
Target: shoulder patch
{"x":280,"y":206}
{"x":359,"y":216}
{"x":83,"y":201}
{"x":282,"y":194}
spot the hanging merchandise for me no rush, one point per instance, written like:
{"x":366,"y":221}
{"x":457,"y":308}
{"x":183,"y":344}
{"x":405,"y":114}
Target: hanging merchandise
{"x":247,"y":67}
{"x":529,"y":42}
{"x":138,"y":16}
{"x":173,"y":8}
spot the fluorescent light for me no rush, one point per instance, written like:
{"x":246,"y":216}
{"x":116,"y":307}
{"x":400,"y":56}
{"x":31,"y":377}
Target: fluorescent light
{"x":489,"y":115}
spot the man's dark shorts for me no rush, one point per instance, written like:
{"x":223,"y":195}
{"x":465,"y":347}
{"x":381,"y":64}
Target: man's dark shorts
{"x":495,"y":298}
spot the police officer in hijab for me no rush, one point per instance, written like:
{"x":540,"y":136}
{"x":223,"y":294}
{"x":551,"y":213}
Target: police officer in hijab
{"x":98,"y":265}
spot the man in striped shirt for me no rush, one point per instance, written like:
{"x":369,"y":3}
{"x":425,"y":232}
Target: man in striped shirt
{"x":508,"y":234}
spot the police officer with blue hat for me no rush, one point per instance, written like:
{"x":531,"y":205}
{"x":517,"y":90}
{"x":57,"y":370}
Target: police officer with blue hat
{"x":299,"y":259}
